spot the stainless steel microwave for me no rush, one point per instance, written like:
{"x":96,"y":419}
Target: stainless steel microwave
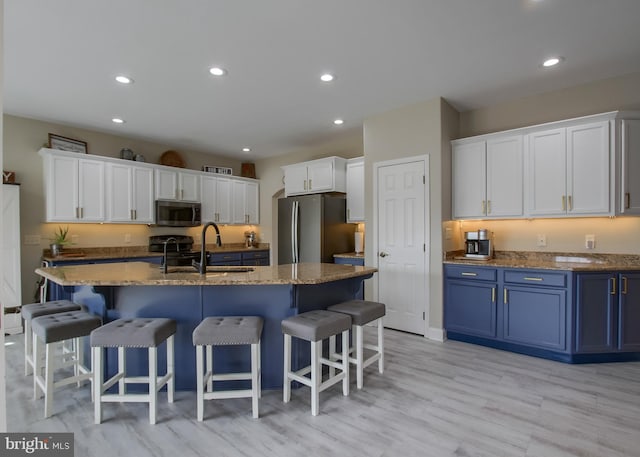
{"x":177,"y":214}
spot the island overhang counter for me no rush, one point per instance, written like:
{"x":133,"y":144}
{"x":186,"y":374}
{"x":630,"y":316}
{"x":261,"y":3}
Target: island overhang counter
{"x":140,"y":289}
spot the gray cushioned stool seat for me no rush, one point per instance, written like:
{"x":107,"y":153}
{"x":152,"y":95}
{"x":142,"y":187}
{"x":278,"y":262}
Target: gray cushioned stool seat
{"x":51,"y":307}
{"x":228,"y":330}
{"x":361,"y":311}
{"x":133,"y":333}
{"x":63,"y":326}
{"x":316,"y":325}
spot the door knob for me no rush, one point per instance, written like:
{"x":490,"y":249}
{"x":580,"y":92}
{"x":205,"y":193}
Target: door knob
{"x":383,"y":254}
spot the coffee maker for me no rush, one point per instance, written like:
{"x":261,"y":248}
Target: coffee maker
{"x":478,"y":245}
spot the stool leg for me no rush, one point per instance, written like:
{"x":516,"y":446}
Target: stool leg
{"x":28,"y":352}
{"x":359,"y":356}
{"x":345,"y":362}
{"x":255,"y":356}
{"x":36,"y":365}
{"x":286,"y":383}
{"x":381,"y":346}
{"x":153,"y":384}
{"x":200,"y":381}
{"x":316,"y":375}
{"x":122,"y":368}
{"x":79,"y":354}
{"x":49,"y":366}
{"x":171,"y":385}
{"x":209,"y":371}
{"x":259,"y":370}
{"x":97,"y":383}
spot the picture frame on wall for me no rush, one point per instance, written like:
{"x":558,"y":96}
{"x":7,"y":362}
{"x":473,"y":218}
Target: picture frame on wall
{"x":63,"y":143}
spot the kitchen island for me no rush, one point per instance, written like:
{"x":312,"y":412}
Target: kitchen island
{"x":140,"y":289}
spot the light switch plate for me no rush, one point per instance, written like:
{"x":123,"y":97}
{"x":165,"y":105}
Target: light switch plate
{"x":590,"y":241}
{"x":32,"y":240}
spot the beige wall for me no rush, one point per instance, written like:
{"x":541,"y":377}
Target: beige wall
{"x":618,"y":235}
{"x":22,"y":140}
{"x":348,"y":144}
{"x":406,"y":132}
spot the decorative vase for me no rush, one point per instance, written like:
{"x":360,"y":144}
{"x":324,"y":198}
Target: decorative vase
{"x":56,"y":249}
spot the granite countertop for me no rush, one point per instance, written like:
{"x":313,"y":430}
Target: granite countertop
{"x":143,"y":273}
{"x":132,"y":252}
{"x":552,"y":261}
{"x":350,"y":255}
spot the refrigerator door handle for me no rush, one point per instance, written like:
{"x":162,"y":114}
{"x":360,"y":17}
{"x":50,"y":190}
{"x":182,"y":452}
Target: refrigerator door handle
{"x":297,"y":221}
{"x":294,"y":232}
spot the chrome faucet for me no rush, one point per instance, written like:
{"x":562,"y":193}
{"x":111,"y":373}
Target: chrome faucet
{"x":202,"y":265}
{"x":164,"y":258}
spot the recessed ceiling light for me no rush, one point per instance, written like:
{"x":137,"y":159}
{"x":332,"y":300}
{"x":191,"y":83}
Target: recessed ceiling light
{"x":552,"y":61}
{"x":217,"y":71}
{"x":327,"y":77}
{"x":117,"y":120}
{"x":246,"y":149}
{"x":338,"y":122}
{"x":122,"y":79}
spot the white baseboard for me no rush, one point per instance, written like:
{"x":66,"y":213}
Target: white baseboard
{"x":436,"y":334}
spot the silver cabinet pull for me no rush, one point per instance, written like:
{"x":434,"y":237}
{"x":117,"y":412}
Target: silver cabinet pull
{"x":564,"y":203}
{"x":627,"y":200}
{"x":505,"y":296}
{"x":466,"y":273}
{"x":613,"y":286}
{"x":310,"y":187}
{"x":493,"y":295}
{"x":531,"y":278}
{"x":624,"y":285}
{"x":570,"y":199}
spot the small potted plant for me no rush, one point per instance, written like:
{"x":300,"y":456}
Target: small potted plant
{"x":59,"y":240}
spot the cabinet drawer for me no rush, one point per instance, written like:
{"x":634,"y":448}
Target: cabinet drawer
{"x":542,"y":278}
{"x":225,"y":257}
{"x":255,"y":255}
{"x":471,"y":272}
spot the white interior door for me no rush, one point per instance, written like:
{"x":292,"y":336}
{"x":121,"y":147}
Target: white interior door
{"x":401,"y":243}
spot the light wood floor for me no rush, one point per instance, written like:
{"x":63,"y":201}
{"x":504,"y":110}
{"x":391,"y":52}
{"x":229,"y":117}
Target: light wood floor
{"x":451,"y":399}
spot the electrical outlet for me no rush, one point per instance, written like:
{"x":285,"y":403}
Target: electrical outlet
{"x":127,"y":237}
{"x":541,"y":240}
{"x":590,"y":241}
{"x":447,"y":233}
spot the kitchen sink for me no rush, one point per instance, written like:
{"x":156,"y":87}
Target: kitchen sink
{"x":211,"y":269}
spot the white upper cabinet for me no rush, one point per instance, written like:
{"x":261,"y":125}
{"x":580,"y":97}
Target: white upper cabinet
{"x":130,"y":197}
{"x":569,"y":171}
{"x":216,"y":199}
{"x":75,"y":189}
{"x":488,"y":178}
{"x":575,"y":167}
{"x":355,"y":190}
{"x":315,"y":176}
{"x":629,"y":188}
{"x":177,"y":185}
{"x":245,"y":195}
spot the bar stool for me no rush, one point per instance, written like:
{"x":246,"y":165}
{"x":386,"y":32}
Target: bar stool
{"x":362,"y":312}
{"x":133,"y":333}
{"x":227,"y":331}
{"x":316,"y":326}
{"x":55,"y":328}
{"x":33,"y":310}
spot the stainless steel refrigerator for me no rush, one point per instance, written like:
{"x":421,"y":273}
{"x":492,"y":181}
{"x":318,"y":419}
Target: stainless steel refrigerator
{"x":311,"y":228}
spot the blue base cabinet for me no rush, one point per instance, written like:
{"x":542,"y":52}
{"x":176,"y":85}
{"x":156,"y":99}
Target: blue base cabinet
{"x":570,"y":317}
{"x":356,"y":262}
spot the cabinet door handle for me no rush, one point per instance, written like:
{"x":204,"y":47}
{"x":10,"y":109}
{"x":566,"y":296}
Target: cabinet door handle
{"x":310,"y":187}
{"x":493,"y":295}
{"x":570,"y":199}
{"x":531,"y":278}
{"x":305,"y":184}
{"x":81,"y":212}
{"x":181,"y":194}
{"x":624,"y":285}
{"x":627,"y":200}
{"x":484,"y":206}
{"x":505,"y":296}
{"x":131,"y":214}
{"x":564,"y":203}
{"x":77,"y":213}
{"x":488,"y":207}
{"x":613,"y":286}
{"x":465,"y":273}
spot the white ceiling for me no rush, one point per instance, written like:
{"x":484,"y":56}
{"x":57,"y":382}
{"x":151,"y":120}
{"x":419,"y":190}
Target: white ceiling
{"x":61,"y":56}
